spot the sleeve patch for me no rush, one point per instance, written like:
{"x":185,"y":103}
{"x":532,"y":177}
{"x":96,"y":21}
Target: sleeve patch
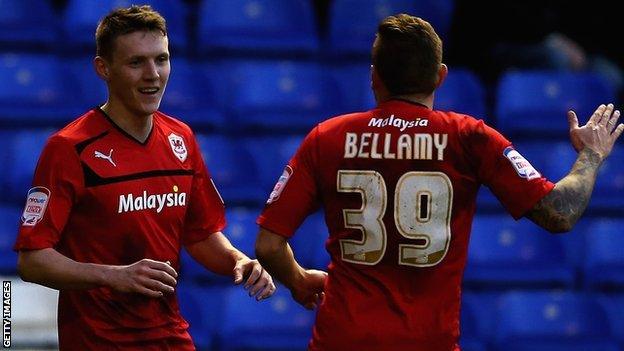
{"x":279,"y":186}
{"x":522,"y":166}
{"x":36,"y":204}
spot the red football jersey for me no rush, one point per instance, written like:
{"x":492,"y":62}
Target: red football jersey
{"x":398,"y":186}
{"x":100,"y":196}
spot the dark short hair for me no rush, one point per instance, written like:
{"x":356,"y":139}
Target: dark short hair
{"x":124,"y":21}
{"x":407,"y":55}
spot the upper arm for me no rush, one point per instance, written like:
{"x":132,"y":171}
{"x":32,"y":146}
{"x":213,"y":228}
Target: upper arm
{"x":206,"y":211}
{"x":268,"y":242}
{"x":297,"y":192}
{"x":57,"y":183}
{"x":509,"y":175}
{"x":28,"y":261}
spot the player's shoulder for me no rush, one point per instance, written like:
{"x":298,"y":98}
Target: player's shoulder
{"x":170,"y":123}
{"x":464,"y":122}
{"x":342,"y":121}
{"x":85,"y":127}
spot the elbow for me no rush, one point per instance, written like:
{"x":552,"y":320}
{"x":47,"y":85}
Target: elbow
{"x":23,"y":269}
{"x":561,"y":227}
{"x":268,"y":245}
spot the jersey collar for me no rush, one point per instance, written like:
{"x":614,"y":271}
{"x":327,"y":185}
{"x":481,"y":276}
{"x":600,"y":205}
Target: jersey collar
{"x":396,"y":99}
{"x":123,"y":132}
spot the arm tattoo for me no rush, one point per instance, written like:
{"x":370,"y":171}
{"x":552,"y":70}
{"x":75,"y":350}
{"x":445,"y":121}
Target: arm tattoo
{"x":563,"y":206}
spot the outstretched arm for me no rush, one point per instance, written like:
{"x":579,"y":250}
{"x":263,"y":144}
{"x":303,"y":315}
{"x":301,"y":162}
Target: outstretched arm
{"x":50,"y":268}
{"x":217,"y":254}
{"x":560,"y":210}
{"x":277,"y":257}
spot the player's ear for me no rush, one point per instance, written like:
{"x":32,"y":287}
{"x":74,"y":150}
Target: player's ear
{"x":376,"y":82}
{"x":442,"y":73}
{"x":101,"y":67}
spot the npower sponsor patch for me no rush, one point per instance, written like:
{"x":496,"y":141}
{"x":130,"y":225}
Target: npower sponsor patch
{"x":36,"y":204}
{"x":281,"y":183}
{"x":520,"y":164}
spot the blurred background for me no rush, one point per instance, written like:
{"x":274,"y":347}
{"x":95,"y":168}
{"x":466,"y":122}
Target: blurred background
{"x":253,"y":76}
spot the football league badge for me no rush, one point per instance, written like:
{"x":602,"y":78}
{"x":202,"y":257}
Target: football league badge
{"x":520,"y":164}
{"x":281,"y":183}
{"x":36,"y":204}
{"x":178,"y":147}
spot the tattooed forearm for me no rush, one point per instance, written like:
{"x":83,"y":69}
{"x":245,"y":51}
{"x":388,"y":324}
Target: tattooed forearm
{"x":558,"y":211}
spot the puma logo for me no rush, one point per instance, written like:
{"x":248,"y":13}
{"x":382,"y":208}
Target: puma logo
{"x":108,"y":157}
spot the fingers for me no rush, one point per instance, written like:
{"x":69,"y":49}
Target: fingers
{"x":618,"y":132}
{"x":597,"y":115}
{"x":265,"y":293}
{"x":149,"y":292}
{"x":162,"y":266}
{"x":162,"y":272}
{"x":156,"y":285}
{"x":163,"y":278}
{"x":613,"y":121}
{"x":256,"y":272}
{"x":238,"y":272}
{"x":606,"y":115}
{"x":572,"y":120}
{"x":317,"y":298}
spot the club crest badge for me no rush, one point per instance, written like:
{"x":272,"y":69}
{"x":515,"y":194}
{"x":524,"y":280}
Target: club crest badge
{"x":36,"y":204}
{"x":178,"y":147}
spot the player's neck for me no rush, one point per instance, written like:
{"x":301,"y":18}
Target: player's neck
{"x":139,"y":127}
{"x":426,"y":100}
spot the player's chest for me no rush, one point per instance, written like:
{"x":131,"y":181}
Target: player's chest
{"x":123,"y":178}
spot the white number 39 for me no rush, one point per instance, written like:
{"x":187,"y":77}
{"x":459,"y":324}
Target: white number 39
{"x":422,"y":211}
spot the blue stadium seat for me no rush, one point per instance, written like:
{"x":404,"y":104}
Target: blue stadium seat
{"x":24,"y":148}
{"x":189,"y":98}
{"x":280,"y":26}
{"x":353,"y":83}
{"x":604,"y":254}
{"x":232,"y":169}
{"x":9,"y":224}
{"x":278,"y":323}
{"x":271,"y":154}
{"x":461,"y":92}
{"x":541,"y":321}
{"x":32,"y":92}
{"x":242,"y":229}
{"x":609,"y":187}
{"x":353,"y":23}
{"x":614,"y":305}
{"x":537,"y":101}
{"x":24,"y":23}
{"x":202,"y":307}
{"x":471,"y":315}
{"x":280,"y":95}
{"x":506,"y":253}
{"x":87,"y":89}
{"x":82,"y":16}
{"x":308,"y":244}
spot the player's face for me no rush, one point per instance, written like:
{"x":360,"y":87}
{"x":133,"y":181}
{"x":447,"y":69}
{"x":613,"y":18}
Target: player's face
{"x":138,"y":71}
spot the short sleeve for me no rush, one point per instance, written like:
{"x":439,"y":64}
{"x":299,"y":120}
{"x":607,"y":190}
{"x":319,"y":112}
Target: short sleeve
{"x":295,"y":195}
{"x":56,"y":183}
{"x":511,"y":177}
{"x":206,"y":212}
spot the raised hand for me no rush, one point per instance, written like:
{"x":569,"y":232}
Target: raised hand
{"x":259,"y":282}
{"x":599,"y":133}
{"x":147,"y":277}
